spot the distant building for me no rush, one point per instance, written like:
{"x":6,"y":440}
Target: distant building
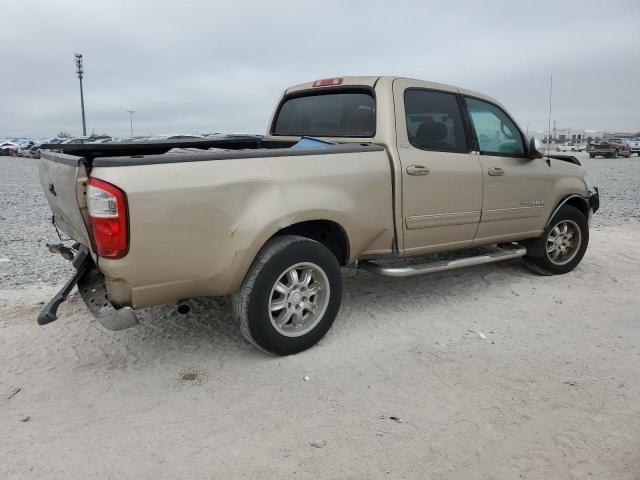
{"x":578,"y":136}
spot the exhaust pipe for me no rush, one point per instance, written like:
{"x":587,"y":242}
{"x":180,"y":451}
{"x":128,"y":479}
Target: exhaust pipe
{"x":183,"y":307}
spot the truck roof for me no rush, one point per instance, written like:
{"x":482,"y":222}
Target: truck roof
{"x":370,"y":81}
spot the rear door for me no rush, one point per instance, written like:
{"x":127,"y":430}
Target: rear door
{"x":63,"y":179}
{"x":515,"y":186}
{"x":441,"y":179}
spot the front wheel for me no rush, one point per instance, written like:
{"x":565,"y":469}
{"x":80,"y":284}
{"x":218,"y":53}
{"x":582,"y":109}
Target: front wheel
{"x":290,"y":296}
{"x":564,"y":243}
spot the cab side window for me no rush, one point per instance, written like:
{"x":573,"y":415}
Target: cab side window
{"x":434,"y":121}
{"x":495,"y":131}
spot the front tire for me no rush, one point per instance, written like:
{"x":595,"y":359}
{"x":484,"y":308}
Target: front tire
{"x":290,"y":296}
{"x":564,"y":243}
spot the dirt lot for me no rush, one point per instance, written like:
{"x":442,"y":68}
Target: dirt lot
{"x":551,"y":392}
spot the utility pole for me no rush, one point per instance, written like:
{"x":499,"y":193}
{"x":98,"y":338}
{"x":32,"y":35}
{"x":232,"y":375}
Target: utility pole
{"x":550,"y":92}
{"x":80,"y":72}
{"x":131,"y":112}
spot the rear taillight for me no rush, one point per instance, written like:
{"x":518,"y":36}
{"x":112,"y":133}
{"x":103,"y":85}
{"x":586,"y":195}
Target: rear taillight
{"x":107,"y":207}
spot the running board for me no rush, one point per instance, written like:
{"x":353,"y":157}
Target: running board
{"x":497,"y":255}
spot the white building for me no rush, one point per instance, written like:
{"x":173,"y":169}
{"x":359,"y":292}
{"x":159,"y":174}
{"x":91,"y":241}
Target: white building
{"x":577,"y":136}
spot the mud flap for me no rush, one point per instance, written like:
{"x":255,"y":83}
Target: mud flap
{"x":594,"y":200}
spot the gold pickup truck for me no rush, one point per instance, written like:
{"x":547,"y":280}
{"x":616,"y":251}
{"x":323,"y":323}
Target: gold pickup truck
{"x":352,"y":171}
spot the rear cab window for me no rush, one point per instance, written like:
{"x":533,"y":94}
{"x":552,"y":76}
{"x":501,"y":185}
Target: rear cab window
{"x":336,"y":113}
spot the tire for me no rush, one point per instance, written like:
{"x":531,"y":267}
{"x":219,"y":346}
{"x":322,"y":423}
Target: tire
{"x":270,"y":292}
{"x":591,"y":155}
{"x":543,"y":261}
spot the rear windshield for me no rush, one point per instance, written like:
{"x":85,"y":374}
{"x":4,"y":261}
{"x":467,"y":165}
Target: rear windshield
{"x":350,"y":114}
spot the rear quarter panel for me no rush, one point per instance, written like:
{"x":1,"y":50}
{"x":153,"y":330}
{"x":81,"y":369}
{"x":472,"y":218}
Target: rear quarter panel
{"x":196,"y":227}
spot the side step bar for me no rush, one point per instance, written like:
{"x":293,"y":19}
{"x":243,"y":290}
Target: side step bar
{"x":497,"y":255}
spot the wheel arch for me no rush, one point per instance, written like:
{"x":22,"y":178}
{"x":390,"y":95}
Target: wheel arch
{"x":577,"y":201}
{"x":327,"y":232}
{"x":330,"y":232}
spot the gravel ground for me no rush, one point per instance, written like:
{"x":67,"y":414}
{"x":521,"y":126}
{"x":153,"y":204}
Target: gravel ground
{"x":25,"y":223}
{"x":496,"y":373}
{"x":25,"y":219}
{"x":490,"y":372}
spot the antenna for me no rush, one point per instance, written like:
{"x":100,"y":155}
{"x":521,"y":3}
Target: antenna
{"x":550,"y":97}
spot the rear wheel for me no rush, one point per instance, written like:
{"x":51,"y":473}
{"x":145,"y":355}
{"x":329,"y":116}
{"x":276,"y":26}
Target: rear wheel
{"x":591,"y":155}
{"x":290,"y":297}
{"x":564,"y":243}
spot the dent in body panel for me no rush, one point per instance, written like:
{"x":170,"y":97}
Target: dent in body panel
{"x":197,"y":234}
{"x":63,"y":183}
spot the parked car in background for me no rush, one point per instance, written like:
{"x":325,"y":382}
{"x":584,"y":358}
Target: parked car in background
{"x":8,"y":148}
{"x":177,"y":136}
{"x":138,"y":138}
{"x":609,"y":148}
{"x":634,"y":145}
{"x":13,"y":145}
{"x":570,"y":147}
{"x":25,"y":149}
{"x":90,"y":139}
{"x":35,"y":149}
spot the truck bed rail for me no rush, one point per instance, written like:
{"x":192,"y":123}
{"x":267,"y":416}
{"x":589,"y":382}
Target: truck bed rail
{"x":90,"y":151}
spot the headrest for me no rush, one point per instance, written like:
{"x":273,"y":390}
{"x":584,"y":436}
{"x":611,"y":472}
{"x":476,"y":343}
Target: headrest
{"x":430,"y":132}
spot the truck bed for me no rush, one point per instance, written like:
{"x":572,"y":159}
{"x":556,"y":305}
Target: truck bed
{"x":197,"y":220}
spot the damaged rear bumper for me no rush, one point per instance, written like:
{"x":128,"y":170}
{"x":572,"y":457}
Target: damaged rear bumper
{"x":92,"y":288}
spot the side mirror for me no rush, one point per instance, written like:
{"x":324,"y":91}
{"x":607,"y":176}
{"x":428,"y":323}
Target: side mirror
{"x":535,"y":148}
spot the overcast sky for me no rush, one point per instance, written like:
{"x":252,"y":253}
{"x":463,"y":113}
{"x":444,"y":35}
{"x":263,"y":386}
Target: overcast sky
{"x":220,"y":66}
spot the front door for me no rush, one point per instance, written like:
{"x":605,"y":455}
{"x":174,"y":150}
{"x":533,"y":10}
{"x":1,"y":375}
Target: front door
{"x":441,"y":179}
{"x":515,"y":186}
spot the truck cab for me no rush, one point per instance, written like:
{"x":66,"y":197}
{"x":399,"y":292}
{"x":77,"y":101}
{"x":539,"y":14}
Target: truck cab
{"x":464,"y":173}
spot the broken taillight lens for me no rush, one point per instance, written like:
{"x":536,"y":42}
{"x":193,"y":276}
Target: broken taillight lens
{"x":107,"y":208}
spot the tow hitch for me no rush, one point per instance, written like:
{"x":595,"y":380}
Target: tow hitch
{"x":82,"y":261}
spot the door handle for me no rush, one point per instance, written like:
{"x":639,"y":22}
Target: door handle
{"x":496,"y":172}
{"x":418,"y":170}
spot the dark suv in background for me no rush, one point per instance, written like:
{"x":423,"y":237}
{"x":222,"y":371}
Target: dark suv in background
{"x":609,"y":148}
